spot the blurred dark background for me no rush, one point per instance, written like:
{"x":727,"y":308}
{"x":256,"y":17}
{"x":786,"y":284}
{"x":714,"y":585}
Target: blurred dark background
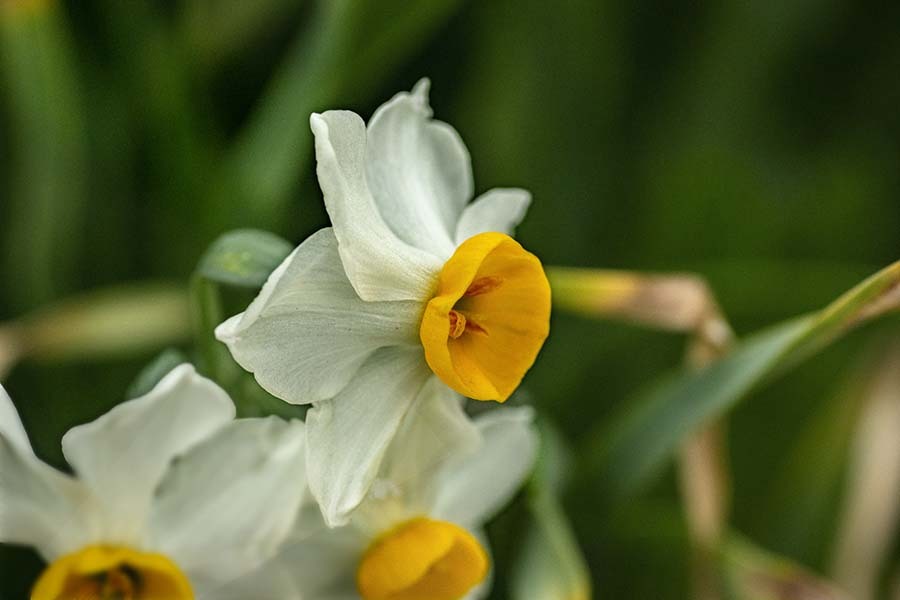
{"x":754,"y":143}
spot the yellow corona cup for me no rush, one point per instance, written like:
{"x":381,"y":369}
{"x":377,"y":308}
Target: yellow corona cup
{"x":112,"y":573}
{"x":489,"y":318}
{"x":422,"y":559}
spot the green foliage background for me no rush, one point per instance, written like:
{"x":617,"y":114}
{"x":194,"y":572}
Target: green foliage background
{"x":754,"y":143}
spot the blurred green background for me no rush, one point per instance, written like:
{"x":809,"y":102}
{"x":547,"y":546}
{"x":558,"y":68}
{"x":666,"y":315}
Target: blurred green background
{"x":754,"y":143}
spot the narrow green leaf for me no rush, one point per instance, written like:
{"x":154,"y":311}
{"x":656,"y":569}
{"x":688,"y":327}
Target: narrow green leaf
{"x":217,"y":30}
{"x":639,"y":443}
{"x":404,"y":26}
{"x":243,"y":258}
{"x":272,"y":151}
{"x":45,"y":197}
{"x":182,"y":151}
{"x":346,"y":49}
{"x":155,"y":371}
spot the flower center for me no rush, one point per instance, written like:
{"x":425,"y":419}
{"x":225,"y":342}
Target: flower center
{"x":422,"y":559}
{"x":488,"y":318}
{"x":112,"y":573}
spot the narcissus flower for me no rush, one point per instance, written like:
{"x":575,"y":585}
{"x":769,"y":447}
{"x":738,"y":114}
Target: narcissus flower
{"x":134,"y":523}
{"x":418,"y":536}
{"x":412,"y":281}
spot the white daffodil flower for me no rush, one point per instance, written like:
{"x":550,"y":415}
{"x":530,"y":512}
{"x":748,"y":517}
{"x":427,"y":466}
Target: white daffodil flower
{"x":411,"y":281}
{"x":419,"y":534}
{"x":136,"y":524}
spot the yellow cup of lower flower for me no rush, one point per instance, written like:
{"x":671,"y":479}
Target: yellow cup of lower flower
{"x":422,"y":559}
{"x":112,"y":572}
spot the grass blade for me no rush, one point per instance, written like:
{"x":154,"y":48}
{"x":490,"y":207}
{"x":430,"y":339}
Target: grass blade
{"x":639,"y":443}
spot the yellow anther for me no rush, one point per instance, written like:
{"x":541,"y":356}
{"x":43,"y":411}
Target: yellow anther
{"x":457,"y":324}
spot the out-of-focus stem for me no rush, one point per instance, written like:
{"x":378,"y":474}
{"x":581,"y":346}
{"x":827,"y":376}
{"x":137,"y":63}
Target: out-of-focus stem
{"x":206,"y":314}
{"x":872,"y":506}
{"x":551,"y":565}
{"x":102,"y":324}
{"x":11,"y":348}
{"x":679,"y":302}
{"x":676,"y":302}
{"x":703,"y":471}
{"x":705,"y":488}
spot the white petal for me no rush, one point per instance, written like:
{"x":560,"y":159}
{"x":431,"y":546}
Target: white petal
{"x":499,"y":210}
{"x":308,"y":332}
{"x":228,"y":504}
{"x":11,"y":425}
{"x":349,"y":434}
{"x":41,"y":507}
{"x":123,"y":455}
{"x":469,"y":491}
{"x":325,"y":565}
{"x":419,"y":172}
{"x":273,"y":581}
{"x":316,"y":563}
{"x":436,"y":430}
{"x":322,"y":567}
{"x":379,"y":265}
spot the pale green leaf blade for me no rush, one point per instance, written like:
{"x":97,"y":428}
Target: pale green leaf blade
{"x":640,"y":442}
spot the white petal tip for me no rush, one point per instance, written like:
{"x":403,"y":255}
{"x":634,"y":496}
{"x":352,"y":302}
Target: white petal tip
{"x":227,"y":331}
{"x":421,"y":89}
{"x":334,"y":520}
{"x":419,"y":96}
{"x":182,"y":371}
{"x":337,"y":508}
{"x":186,"y":374}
